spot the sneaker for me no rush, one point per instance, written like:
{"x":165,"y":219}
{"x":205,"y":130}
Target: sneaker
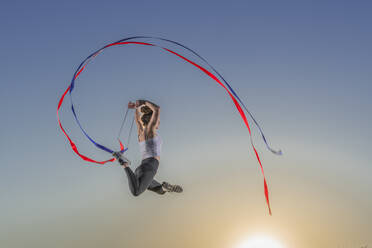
{"x":171,"y":188}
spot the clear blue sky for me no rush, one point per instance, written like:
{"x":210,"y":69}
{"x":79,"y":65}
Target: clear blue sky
{"x":302,"y":67}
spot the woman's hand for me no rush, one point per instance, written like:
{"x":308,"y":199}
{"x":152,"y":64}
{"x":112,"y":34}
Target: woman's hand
{"x":131,"y":105}
{"x":149,"y":104}
{"x":152,"y":106}
{"x":140,"y":103}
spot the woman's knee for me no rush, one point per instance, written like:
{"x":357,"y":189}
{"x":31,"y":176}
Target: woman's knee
{"x":136,"y":192}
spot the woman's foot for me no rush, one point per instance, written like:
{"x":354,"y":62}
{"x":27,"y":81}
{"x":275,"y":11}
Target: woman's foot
{"x":121,"y":159}
{"x":167,"y":187}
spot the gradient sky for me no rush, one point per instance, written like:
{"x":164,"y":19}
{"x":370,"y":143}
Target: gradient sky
{"x":302,"y":67}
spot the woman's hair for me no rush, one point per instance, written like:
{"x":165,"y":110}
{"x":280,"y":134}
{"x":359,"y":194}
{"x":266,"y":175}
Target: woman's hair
{"x":146,"y":117}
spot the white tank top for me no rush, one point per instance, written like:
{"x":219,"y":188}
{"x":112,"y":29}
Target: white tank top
{"x":151,"y":147}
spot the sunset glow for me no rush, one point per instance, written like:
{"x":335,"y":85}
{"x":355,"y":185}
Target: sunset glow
{"x":260,"y":242}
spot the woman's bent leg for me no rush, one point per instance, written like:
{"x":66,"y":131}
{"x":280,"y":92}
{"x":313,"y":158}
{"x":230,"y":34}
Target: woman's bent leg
{"x":143,"y":176}
{"x":132,"y":181}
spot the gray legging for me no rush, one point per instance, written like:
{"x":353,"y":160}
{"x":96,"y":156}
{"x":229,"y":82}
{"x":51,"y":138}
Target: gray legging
{"x":143,"y":177}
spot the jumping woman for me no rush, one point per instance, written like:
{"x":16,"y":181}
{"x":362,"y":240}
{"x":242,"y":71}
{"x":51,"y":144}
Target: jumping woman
{"x":147,"y":115}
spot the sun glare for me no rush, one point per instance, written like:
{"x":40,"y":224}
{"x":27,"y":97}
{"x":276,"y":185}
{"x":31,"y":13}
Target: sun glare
{"x":260,"y":242}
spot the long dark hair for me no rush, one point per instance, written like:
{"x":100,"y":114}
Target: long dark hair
{"x":146,"y":117}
